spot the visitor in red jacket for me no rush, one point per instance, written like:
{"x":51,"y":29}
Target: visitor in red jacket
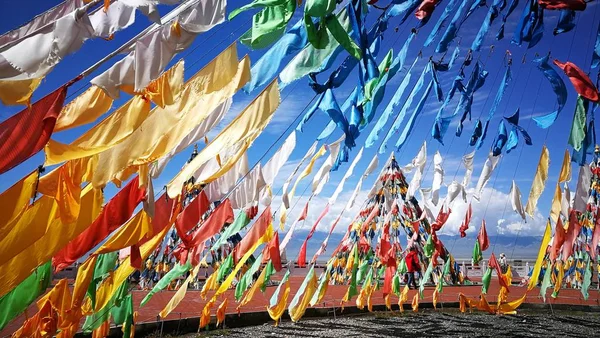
{"x":412,"y":264}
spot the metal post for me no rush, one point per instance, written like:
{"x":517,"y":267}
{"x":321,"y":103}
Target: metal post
{"x":162,"y":323}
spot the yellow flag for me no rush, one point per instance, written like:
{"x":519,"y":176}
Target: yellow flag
{"x":540,"y":258}
{"x":298,"y":311}
{"x":370,"y":290}
{"x":565,"y":170}
{"x":84,"y":109}
{"x":559,"y":279}
{"x":556,"y":204}
{"x":27,"y":229}
{"x":85,"y":272}
{"x":15,"y":199}
{"x":104,"y":135}
{"x":210,"y":284}
{"x":110,"y":285}
{"x":241,"y":133}
{"x":79,"y":170}
{"x":539,"y":181}
{"x":19,"y":266}
{"x":119,"y":125}
{"x":403,"y":298}
{"x":178,"y":297}
{"x":277,"y":311}
{"x":415,"y":303}
{"x":322,"y":151}
{"x":201,"y":102}
{"x":263,"y":239}
{"x":132,"y":232}
{"x":13,"y":92}
{"x":250,"y":294}
{"x":283,"y":218}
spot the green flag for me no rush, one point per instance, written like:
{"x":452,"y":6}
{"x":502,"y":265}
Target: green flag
{"x":429,"y":247}
{"x":104,"y":264}
{"x":445,"y":272}
{"x":323,"y":280}
{"x":123,"y":315}
{"x":270,"y":272}
{"x":383,"y":68}
{"x":275,"y":297}
{"x":311,"y":59}
{"x":178,"y":270}
{"x":240,"y":222}
{"x":319,"y":8}
{"x":578,"y":128}
{"x":546,"y":281}
{"x":396,"y":285}
{"x":485,"y":281}
{"x":94,"y":321}
{"x":246,"y":279}
{"x":587,"y":278}
{"x":368,"y":279}
{"x":353,"y":290}
{"x":402,"y":268}
{"x":362,"y":270}
{"x":225,"y":268}
{"x":269,"y":24}
{"x":340,"y":34}
{"x":18,"y":299}
{"x":477,"y":254}
{"x":425,"y":278}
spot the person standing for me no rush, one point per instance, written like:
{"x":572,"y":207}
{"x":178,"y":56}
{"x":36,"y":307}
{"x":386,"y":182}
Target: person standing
{"x":503,"y":263}
{"x":412,"y":265}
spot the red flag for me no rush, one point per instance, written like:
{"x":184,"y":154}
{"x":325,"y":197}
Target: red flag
{"x":214,"y":223}
{"x":304,"y":212}
{"x":465,"y":224}
{"x":582,"y":83}
{"x":374,"y":212}
{"x":25,"y":133}
{"x":164,"y":214}
{"x":256,"y":232}
{"x":390,"y":271}
{"x":494,"y":265}
{"x":560,"y":235}
{"x":484,"y":242}
{"x":192,"y":214}
{"x":114,"y":214}
{"x":441,"y":219}
{"x":595,"y":238}
{"x":426,"y":9}
{"x":576,"y":5}
{"x":572,"y":233}
{"x":302,"y":254}
{"x":165,"y":211}
{"x":440,"y":250}
{"x":271,"y":252}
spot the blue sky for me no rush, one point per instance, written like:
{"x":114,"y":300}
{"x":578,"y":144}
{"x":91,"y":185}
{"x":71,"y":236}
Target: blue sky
{"x":528,"y":91}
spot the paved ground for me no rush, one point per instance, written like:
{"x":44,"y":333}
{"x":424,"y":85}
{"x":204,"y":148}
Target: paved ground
{"x":429,"y":323}
{"x":192,"y":304}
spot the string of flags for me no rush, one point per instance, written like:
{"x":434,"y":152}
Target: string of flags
{"x":219,"y":212}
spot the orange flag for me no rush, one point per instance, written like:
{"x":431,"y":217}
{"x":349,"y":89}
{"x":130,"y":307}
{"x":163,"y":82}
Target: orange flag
{"x":221,"y":312}
{"x":205,"y":318}
{"x":415,"y":303}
